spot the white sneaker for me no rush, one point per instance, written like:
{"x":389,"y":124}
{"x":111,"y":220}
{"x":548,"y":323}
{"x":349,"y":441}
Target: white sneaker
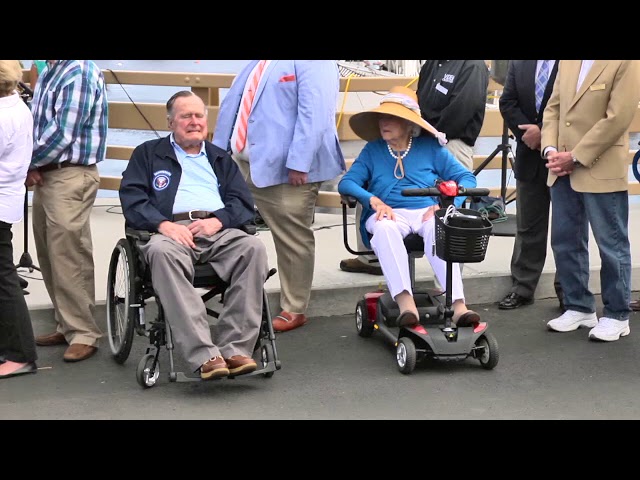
{"x":610,"y":329}
{"x":572,"y":320}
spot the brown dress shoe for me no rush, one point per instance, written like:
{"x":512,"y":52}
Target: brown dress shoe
{"x":356,"y":266}
{"x":78,"y":351}
{"x":50,"y":339}
{"x":288,"y":321}
{"x":214,"y":368}
{"x":239,"y":364}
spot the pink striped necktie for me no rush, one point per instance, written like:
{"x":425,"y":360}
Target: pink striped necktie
{"x":245,"y":108}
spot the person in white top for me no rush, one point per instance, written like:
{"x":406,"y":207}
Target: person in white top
{"x":17,"y":343}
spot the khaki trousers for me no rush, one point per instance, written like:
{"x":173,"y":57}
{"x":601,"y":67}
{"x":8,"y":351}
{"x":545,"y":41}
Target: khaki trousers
{"x":61,"y":222}
{"x":462,"y":152}
{"x":288,"y":211}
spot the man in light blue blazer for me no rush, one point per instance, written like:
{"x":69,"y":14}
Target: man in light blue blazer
{"x":291,"y":147}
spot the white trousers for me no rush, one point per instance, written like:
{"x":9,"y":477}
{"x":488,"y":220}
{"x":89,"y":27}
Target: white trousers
{"x":388,"y":244}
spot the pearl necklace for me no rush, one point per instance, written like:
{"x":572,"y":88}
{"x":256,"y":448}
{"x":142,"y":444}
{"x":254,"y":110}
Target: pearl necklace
{"x":399,"y":159}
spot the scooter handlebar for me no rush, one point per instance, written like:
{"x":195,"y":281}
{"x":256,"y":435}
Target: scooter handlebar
{"x":434,"y":192}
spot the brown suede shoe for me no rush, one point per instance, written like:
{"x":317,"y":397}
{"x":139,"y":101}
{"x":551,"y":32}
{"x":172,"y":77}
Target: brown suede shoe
{"x":288,"y":321}
{"x":214,"y":368}
{"x":78,"y":351}
{"x":50,"y":339}
{"x":356,"y":266}
{"x":239,"y":364}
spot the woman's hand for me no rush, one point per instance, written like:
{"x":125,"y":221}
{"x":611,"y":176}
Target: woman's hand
{"x":382,"y":209}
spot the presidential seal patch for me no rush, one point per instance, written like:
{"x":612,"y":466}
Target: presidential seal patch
{"x":161,"y":180}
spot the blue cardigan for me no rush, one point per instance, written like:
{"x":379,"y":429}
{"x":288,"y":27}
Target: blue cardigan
{"x":426,"y":162}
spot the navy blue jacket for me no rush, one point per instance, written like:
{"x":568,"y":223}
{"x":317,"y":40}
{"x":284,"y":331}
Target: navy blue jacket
{"x":150,"y":183}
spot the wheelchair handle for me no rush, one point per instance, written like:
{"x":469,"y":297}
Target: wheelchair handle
{"x":434,"y":192}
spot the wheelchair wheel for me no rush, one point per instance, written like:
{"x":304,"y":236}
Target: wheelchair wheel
{"x":120,"y":294}
{"x":145,"y":378}
{"x":635,"y":165}
{"x":267,"y":355}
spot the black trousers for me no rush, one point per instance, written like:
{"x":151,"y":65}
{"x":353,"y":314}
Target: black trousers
{"x":530,"y":248}
{"x":17,"y":343}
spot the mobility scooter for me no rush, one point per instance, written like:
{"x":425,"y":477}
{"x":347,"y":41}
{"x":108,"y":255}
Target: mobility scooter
{"x":462,"y":235}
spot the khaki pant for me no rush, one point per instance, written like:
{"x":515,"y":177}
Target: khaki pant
{"x":288,"y":211}
{"x":62,"y":233}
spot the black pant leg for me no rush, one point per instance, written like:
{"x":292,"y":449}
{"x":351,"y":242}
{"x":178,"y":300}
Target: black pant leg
{"x":17,"y":342}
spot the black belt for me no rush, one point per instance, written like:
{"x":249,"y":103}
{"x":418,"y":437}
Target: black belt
{"x":55,"y":166}
{"x":192,"y":215}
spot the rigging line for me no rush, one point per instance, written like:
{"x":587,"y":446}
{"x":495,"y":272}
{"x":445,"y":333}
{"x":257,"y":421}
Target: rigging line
{"x":134,"y":103}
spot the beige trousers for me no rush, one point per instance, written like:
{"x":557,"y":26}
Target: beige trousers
{"x":462,"y":152}
{"x":288,"y":211}
{"x":62,"y":233}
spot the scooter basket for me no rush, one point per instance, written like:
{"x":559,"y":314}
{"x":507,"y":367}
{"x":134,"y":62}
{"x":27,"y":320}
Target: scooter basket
{"x":464,"y":237}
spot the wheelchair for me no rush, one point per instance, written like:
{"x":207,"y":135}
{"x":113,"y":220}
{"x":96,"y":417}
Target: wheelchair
{"x":129,"y":288}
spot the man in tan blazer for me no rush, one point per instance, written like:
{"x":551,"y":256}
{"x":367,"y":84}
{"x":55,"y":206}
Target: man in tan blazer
{"x":586,"y":144}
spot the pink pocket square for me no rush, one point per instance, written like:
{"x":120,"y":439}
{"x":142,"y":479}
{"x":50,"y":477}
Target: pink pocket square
{"x":287,"y":78}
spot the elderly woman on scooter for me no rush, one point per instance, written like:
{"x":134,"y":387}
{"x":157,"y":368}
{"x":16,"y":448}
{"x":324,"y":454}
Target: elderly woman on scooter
{"x":397,"y":157}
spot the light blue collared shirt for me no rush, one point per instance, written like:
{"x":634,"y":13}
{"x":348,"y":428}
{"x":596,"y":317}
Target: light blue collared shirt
{"x":198,"y":188}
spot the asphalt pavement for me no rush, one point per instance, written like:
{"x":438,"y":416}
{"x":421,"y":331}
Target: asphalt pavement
{"x":330,"y":373}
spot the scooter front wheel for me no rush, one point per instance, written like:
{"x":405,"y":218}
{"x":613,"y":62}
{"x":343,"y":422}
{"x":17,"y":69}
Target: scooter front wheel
{"x":406,"y":355}
{"x":488,"y":354}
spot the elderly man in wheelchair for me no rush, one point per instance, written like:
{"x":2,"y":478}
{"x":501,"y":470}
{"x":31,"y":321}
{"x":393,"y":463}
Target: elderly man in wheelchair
{"x":191,"y":197}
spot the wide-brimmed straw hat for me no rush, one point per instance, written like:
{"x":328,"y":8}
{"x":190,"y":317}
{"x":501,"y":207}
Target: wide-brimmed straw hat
{"x":400,"y":102}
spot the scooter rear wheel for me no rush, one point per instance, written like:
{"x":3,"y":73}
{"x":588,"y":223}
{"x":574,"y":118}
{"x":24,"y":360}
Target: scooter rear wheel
{"x":363,"y":325}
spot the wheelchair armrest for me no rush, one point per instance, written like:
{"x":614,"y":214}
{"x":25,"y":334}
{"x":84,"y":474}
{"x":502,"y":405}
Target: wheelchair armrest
{"x":348,"y":200}
{"x":250,"y":228}
{"x":139,"y":235}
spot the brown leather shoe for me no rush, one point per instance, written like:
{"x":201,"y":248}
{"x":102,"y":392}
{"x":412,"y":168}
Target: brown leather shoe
{"x":239,"y":364}
{"x":214,"y":368}
{"x":356,"y":266}
{"x":78,"y":351}
{"x":288,"y":321}
{"x":50,"y":339}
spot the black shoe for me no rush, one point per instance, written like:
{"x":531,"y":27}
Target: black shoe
{"x":513,"y":300}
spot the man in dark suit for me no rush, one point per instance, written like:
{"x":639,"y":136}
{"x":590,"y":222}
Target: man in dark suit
{"x":524,"y":119}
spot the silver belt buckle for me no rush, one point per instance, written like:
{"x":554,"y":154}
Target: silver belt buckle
{"x":190,"y":217}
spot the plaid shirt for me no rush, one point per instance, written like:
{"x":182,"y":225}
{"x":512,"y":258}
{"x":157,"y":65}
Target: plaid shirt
{"x":69,"y":114}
